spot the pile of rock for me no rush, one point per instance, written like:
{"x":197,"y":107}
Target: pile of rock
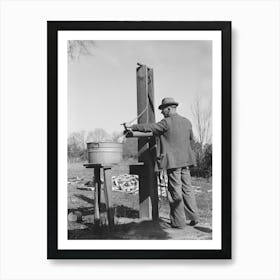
{"x":125,"y":183}
{"x":130,"y":184}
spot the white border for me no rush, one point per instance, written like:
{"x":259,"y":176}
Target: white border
{"x":255,"y":121}
{"x":63,"y":242}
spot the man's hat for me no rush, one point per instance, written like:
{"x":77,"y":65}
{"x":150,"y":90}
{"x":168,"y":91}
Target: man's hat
{"x":167,"y":101}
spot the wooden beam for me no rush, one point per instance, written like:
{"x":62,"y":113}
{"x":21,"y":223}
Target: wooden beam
{"x":145,"y":205}
{"x":147,"y":179}
{"x":150,"y":73}
{"x":152,"y":144}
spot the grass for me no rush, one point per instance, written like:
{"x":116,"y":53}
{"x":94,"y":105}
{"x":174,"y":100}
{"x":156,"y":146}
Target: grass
{"x":126,"y":206}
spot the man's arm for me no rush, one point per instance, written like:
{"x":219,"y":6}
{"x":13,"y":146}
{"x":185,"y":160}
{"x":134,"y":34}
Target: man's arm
{"x":157,"y":128}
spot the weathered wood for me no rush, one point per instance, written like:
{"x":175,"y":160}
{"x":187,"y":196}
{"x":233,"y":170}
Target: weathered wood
{"x":145,"y":205}
{"x":97,"y":165}
{"x":108,"y":196}
{"x":152,"y":144}
{"x":136,"y":168}
{"x":107,"y":191}
{"x":96,"y":183}
{"x":92,"y":165}
{"x":142,"y":91}
{"x":151,"y":112}
{"x":147,"y":178}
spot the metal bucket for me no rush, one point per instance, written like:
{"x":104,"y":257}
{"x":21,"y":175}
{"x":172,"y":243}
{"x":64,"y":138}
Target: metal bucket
{"x":104,"y":152}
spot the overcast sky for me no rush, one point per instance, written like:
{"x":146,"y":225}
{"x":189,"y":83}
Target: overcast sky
{"x":102,"y":87}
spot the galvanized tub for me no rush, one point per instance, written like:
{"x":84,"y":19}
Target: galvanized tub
{"x":104,"y":152}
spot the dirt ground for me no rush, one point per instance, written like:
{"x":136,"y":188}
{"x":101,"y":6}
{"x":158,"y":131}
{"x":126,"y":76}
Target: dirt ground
{"x":128,"y":225}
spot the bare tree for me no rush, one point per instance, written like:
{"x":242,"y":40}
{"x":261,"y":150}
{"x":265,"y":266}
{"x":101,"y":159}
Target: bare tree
{"x":202,"y":117}
{"x":116,"y":135}
{"x":76,"y":48}
{"x":78,"y":138}
{"x":76,"y":145}
{"x":81,"y":137}
{"x":98,"y":135}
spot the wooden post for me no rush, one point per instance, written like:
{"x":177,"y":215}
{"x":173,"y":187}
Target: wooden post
{"x":148,"y":203}
{"x":96,"y":181}
{"x":107,"y":174}
{"x":152,"y":145}
{"x":108,"y":195}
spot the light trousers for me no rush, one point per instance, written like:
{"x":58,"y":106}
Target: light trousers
{"x":181,"y":197}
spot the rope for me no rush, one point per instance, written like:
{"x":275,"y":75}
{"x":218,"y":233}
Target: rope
{"x":138,"y":115}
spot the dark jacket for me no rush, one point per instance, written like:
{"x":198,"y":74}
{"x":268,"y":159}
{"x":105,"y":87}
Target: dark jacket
{"x":175,"y":134}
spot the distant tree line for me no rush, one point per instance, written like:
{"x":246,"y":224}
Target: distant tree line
{"x":203,"y":155}
{"x":77,"y":149}
{"x":202,"y":146}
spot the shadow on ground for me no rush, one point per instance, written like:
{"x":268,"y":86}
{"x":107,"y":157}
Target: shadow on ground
{"x":203,"y":229}
{"x":129,"y":226}
{"x":131,"y":230}
{"x":119,"y":210}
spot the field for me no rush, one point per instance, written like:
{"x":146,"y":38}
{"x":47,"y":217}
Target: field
{"x":126,"y":206}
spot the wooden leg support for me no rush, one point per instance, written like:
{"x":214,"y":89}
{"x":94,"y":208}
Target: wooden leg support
{"x":96,"y":184}
{"x":108,"y":196}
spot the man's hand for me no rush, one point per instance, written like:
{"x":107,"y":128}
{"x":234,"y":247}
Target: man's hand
{"x":127,"y":126}
{"x":128,"y":132}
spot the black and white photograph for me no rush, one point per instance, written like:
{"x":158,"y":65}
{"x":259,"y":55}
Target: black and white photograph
{"x":139,"y":116}
{"x":139,"y":140}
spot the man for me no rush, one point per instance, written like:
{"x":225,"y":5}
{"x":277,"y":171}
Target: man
{"x":176,"y":156}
